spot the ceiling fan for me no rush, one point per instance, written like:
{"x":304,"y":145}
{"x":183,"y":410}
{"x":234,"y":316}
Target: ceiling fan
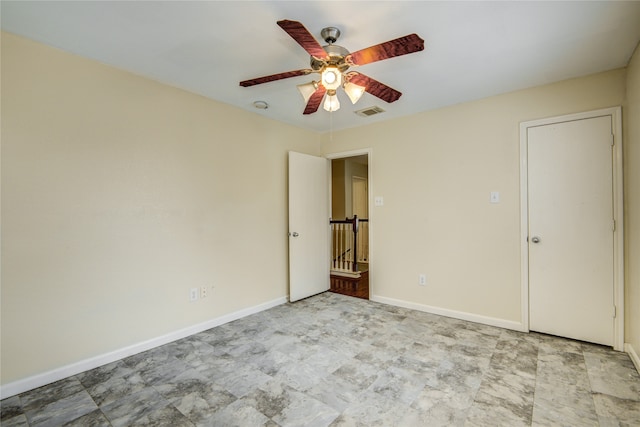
{"x":332,"y":62}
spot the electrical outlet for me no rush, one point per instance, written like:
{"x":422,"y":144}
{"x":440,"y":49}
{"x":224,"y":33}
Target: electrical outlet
{"x":193,"y":294}
{"x":204,"y":292}
{"x":422,"y":280}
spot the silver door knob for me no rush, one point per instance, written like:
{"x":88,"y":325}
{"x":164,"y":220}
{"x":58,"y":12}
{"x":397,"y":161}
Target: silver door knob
{"x":294,"y":234}
{"x":535,"y":239}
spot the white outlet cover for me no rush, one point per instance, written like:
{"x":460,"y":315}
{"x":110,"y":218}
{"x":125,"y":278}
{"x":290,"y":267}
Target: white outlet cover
{"x":378,"y":201}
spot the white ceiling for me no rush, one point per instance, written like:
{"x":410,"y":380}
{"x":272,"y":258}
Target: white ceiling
{"x":472,"y":49}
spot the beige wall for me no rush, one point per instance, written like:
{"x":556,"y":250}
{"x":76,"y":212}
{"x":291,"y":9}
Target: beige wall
{"x":338,"y":206}
{"x":342,"y":173}
{"x":118,"y":195}
{"x":632,"y":203}
{"x":352,"y":168}
{"x":435,"y":171}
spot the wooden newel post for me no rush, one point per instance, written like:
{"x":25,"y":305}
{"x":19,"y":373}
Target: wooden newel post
{"x":355,"y":243}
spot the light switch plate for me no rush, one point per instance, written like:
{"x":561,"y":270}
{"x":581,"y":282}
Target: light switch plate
{"x":495,"y":197}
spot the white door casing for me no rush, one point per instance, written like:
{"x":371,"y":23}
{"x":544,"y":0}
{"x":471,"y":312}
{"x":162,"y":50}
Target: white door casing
{"x":309,"y":230}
{"x":571,"y":200}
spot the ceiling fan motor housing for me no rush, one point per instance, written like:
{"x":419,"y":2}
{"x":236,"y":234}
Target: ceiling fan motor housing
{"x":336,"y":57}
{"x":336,"y":53}
{"x":330,"y":34}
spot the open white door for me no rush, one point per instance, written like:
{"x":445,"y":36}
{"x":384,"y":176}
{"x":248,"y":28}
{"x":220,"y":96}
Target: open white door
{"x":308,"y":225}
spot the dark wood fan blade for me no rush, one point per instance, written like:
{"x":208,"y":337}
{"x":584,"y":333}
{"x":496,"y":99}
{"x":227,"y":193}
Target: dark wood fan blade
{"x":315,"y":100}
{"x":375,"y":88}
{"x":304,"y":38}
{"x":398,"y":47}
{"x":274,"y":77}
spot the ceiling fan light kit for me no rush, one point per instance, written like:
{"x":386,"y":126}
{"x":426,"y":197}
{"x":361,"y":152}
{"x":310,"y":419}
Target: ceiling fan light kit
{"x":307,"y":89}
{"x":333,"y":61}
{"x":331,"y":77}
{"x":331,"y":102}
{"x":353,"y":91}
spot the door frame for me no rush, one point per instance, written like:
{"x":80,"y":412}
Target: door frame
{"x":354,"y":153}
{"x":618,"y":215}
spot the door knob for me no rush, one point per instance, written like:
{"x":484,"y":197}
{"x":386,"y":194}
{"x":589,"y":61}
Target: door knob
{"x":535,"y":239}
{"x":294,"y":234}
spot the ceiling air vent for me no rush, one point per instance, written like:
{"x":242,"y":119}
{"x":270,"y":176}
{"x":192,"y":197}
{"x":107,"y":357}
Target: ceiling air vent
{"x":369,"y":111}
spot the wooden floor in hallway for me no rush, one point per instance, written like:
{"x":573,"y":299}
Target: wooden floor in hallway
{"x":355,"y":287}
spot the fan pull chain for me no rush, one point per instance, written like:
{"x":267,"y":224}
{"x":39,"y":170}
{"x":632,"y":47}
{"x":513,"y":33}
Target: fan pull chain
{"x":331,"y":126}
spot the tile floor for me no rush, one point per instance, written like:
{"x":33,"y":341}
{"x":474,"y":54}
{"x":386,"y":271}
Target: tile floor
{"x":334,"y":360}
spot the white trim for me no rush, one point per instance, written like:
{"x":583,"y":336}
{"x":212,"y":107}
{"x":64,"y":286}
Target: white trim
{"x":524,"y":229}
{"x":633,"y":355}
{"x":618,"y":236}
{"x":618,"y":211}
{"x":470,"y":317}
{"x":352,"y":153}
{"x":38,"y":380}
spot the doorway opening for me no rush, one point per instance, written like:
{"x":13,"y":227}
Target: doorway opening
{"x":350,"y":258}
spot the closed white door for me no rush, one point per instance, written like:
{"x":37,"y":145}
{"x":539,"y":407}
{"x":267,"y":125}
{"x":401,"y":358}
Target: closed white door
{"x":308,"y":225}
{"x":570,"y":178}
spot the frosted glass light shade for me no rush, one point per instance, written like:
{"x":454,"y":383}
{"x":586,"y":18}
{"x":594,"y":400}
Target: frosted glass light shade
{"x":354,"y":92}
{"x":306,"y":90}
{"x":331,"y":78}
{"x":331,"y":103}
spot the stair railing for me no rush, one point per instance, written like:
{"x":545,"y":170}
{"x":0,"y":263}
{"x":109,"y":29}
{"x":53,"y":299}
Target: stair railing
{"x":346,"y":245}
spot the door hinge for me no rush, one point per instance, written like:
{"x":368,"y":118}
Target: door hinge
{"x":613,"y":225}
{"x":613,"y":139}
{"x":615,"y":311}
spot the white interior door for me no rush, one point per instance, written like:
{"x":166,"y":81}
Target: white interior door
{"x":308,"y":225}
{"x":571,"y":264}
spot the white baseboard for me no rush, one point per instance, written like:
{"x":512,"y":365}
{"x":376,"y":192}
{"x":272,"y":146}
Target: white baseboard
{"x":633,"y":355}
{"x":485,"y":320}
{"x":491,"y":321}
{"x":35,"y":381}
